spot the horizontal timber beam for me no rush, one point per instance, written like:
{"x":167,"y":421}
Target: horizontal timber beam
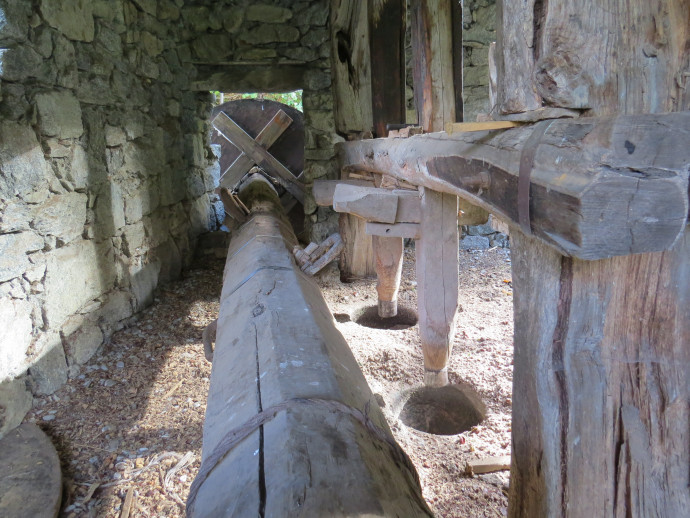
{"x":599,"y":187}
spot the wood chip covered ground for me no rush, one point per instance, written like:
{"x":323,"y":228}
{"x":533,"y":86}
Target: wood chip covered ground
{"x":128,"y":426}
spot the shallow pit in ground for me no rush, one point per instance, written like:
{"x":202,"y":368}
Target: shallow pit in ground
{"x":448,"y":410}
{"x":368,"y":316}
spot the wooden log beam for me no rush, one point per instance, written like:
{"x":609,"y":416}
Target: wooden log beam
{"x":261,"y":157}
{"x":599,"y":187}
{"x":313,"y":440}
{"x":388,"y":253}
{"x":404,"y":230}
{"x":324,"y":190}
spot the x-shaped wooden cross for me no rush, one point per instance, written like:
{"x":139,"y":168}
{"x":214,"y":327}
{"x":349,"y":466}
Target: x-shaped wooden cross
{"x":255,"y":152}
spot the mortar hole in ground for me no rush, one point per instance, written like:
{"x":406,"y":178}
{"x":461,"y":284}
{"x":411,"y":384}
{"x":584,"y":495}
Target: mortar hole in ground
{"x":369,"y":317}
{"x":448,"y":410}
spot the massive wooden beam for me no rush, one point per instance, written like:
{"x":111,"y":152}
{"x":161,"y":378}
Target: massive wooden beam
{"x":599,"y":187}
{"x":292,"y":428}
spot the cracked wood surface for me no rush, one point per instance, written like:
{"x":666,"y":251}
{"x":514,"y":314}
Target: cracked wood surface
{"x":601,"y":388}
{"x":600,"y":187}
{"x":276,"y":341}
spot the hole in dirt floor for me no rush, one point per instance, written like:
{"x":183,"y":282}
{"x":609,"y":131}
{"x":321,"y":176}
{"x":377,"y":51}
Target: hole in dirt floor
{"x":341,"y":317}
{"x":369,"y":317}
{"x":448,"y":410}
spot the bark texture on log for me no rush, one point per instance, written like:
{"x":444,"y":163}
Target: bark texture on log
{"x":326,"y":451}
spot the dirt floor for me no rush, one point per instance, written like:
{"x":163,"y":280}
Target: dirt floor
{"x":128,"y":427}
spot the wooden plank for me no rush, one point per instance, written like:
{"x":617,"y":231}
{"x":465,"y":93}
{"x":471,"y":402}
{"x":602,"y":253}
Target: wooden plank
{"x":277,"y":348}
{"x":437,"y":282}
{"x":457,"y":52}
{"x":580,"y":68}
{"x":405,"y":230}
{"x":357,"y":258}
{"x":387,"y":48}
{"x":323,"y":190}
{"x":619,"y":186}
{"x":488,"y":465}
{"x":227,"y":127}
{"x":351,"y":66}
{"x":266,"y":137}
{"x":369,"y":203}
{"x":388,"y":252}
{"x":459,"y":127}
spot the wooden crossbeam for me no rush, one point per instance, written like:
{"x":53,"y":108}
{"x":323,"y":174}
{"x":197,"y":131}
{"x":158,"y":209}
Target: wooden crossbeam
{"x":598,"y":187}
{"x":380,"y":205}
{"x":261,"y":157}
{"x":266,"y":138}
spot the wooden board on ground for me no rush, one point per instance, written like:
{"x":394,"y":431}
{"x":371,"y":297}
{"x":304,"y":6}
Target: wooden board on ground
{"x":488,"y":465}
{"x":30,"y":479}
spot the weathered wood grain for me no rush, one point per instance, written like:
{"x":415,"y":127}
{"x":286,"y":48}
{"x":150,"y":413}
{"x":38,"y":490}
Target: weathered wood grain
{"x":621,"y":57}
{"x":351,"y":66}
{"x":405,"y":230}
{"x":266,"y":137}
{"x":437,"y":282}
{"x":388,"y":252}
{"x":227,"y":127}
{"x":387,"y":48}
{"x":376,"y":204}
{"x":277,"y":347}
{"x":600,"y":379}
{"x":324,"y":190}
{"x":600,"y":187}
{"x":357,"y":258}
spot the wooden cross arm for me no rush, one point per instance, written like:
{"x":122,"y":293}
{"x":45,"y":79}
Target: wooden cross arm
{"x":231,"y":131}
{"x":266,"y":138}
{"x":599,"y":187}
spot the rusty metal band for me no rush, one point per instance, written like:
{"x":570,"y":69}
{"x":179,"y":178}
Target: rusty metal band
{"x":529,"y":151}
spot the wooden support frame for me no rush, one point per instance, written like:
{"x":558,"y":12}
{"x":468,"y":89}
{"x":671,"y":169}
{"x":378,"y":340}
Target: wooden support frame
{"x":231,"y":131}
{"x":266,"y":137}
{"x":619,"y":186}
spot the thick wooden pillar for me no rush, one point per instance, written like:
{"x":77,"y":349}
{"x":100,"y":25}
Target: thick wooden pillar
{"x":353,"y":106}
{"x":437,"y":281}
{"x":388,"y":253}
{"x":601,"y":406}
{"x":437,"y":249}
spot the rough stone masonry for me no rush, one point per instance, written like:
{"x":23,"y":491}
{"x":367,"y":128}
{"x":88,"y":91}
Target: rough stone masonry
{"x":106,"y":172}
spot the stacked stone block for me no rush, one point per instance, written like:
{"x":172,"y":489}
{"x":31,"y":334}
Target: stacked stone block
{"x":104,"y":179}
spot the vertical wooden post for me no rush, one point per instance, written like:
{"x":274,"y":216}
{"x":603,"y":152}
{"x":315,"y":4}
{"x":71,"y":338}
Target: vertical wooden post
{"x":353,"y":115}
{"x":601,"y":406}
{"x":388,"y":252}
{"x":387,"y":37}
{"x":437,"y":282}
{"x":437,"y":249}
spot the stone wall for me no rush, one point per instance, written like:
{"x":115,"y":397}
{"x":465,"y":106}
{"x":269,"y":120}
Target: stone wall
{"x":104,"y":178}
{"x":281,"y":45}
{"x":479,"y":30}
